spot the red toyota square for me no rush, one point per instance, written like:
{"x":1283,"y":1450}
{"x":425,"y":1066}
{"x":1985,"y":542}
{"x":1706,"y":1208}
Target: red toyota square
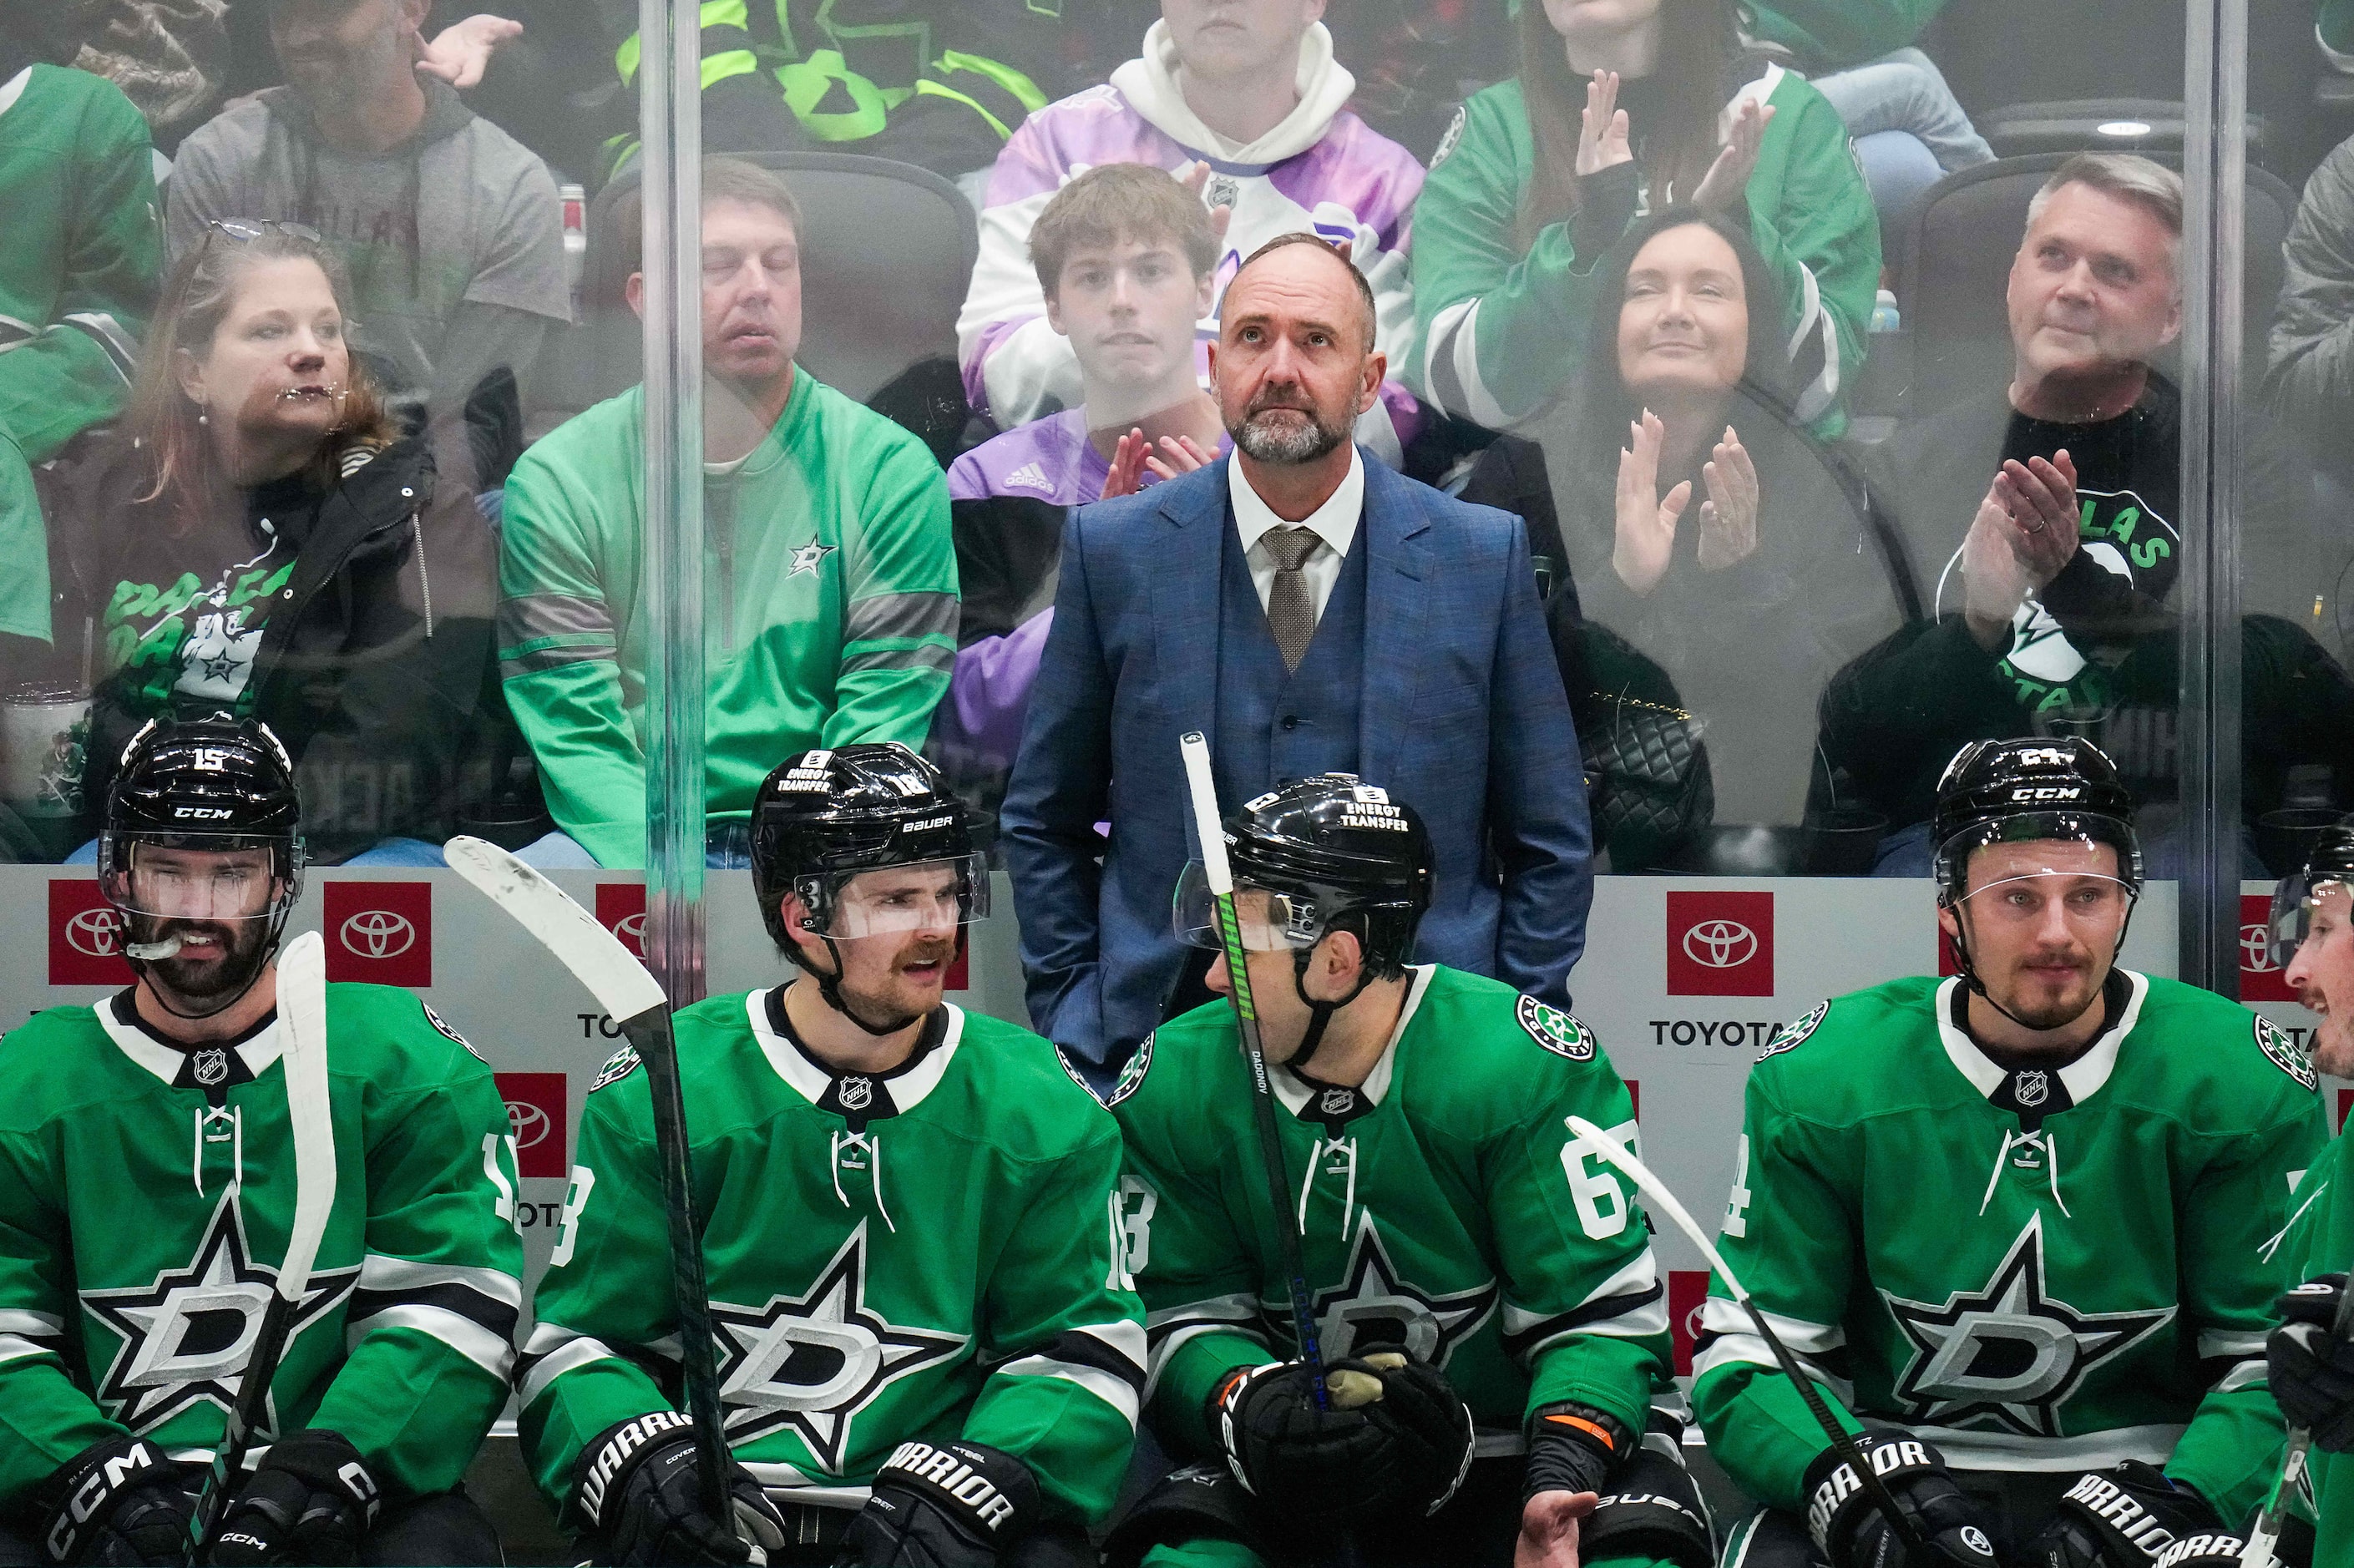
{"x":621,"y":909}
{"x":1720,"y":944}
{"x":959,"y":975}
{"x":380,"y":932}
{"x":2260,"y":979}
{"x":1687,"y":1290}
{"x":85,"y":936}
{"x":2345,"y":1104}
{"x":536,"y":1117}
{"x":1949,"y":962}
{"x":1635,"y":1093}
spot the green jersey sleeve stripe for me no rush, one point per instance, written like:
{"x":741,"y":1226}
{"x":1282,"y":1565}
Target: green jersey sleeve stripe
{"x":931,"y":656}
{"x":1171,"y":1328}
{"x":1113,"y":1389}
{"x":16,"y":1348}
{"x":565,"y":1351}
{"x":901,"y":615}
{"x":38,"y":1324}
{"x":479,"y":1345}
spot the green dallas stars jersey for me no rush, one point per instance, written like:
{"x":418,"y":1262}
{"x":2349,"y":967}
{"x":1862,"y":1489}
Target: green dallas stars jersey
{"x":1443,"y":1207}
{"x":926,"y":1254}
{"x":2035,"y":1270}
{"x":2320,"y":1240}
{"x":145,"y":1195}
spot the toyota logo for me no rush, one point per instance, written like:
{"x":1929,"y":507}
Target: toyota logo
{"x":378,"y":933}
{"x":2256,"y":949}
{"x":95,"y":932}
{"x":528,"y":1123}
{"x":631,"y":929}
{"x":1720,"y":944}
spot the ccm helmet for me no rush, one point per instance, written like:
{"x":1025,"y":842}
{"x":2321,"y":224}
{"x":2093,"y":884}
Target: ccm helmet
{"x":1333,"y":853}
{"x":2331,"y":860}
{"x":210,"y":786}
{"x":825,"y":816}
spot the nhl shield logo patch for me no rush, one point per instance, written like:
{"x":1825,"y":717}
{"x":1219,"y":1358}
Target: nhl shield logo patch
{"x":2032,"y":1088}
{"x":1338,"y":1102}
{"x":856,"y":1093}
{"x":211,"y":1067}
{"x":2284,"y":1054}
{"x":1555,"y":1030}
{"x":1794,"y":1035}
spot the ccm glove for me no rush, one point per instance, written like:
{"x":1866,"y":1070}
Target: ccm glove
{"x":1395,"y":1439}
{"x":1851,"y":1531}
{"x":956,"y":1505}
{"x":119,"y":1502}
{"x":310,"y":1502}
{"x":2311,"y":1370}
{"x":2124,"y":1517}
{"x":638,"y":1493}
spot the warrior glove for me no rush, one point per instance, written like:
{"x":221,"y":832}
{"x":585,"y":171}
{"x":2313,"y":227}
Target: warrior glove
{"x":2123,"y":1518}
{"x":1943,"y":1529}
{"x":119,"y":1502}
{"x":638,"y":1492}
{"x":953,"y":1505}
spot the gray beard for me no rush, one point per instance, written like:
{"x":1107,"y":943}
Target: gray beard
{"x":1288,"y":444}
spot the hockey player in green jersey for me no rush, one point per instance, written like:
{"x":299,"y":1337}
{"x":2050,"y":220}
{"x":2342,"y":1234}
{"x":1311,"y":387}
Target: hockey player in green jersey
{"x":1479,"y":1282}
{"x":147,"y":1190}
{"x":2015,"y":1221}
{"x":927,"y":1349}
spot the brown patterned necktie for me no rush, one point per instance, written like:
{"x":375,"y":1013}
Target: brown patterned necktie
{"x":1290,"y":603}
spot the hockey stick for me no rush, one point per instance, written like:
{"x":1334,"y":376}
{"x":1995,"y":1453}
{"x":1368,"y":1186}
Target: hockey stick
{"x":1842,"y":1442}
{"x":302,"y":1019}
{"x":2263,"y":1536}
{"x":1196,"y":752}
{"x":630,"y":995}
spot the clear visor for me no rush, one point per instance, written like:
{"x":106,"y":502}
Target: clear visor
{"x":200,"y":877}
{"x":1271,"y":922}
{"x":2293,"y":912}
{"x":926,"y":895}
{"x":2026,"y":896}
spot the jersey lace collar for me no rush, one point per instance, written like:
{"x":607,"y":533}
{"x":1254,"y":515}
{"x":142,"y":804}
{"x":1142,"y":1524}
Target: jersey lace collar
{"x":2082,"y":1078}
{"x":1298,"y":1096}
{"x":208,"y":1065}
{"x":902,"y":1089}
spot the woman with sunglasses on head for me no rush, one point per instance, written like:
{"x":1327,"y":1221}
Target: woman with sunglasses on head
{"x":1622,"y":107}
{"x":259,"y":540}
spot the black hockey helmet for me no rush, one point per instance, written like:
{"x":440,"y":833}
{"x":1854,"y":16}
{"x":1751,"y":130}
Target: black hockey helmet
{"x":825,"y":816}
{"x":213,"y":786}
{"x":2015,"y":792}
{"x":2331,"y":860}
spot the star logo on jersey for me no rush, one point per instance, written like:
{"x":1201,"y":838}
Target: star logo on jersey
{"x":2009,"y":1354}
{"x":1376,"y":1307}
{"x":187,"y":1338}
{"x":808,"y":558}
{"x":809,"y":1364}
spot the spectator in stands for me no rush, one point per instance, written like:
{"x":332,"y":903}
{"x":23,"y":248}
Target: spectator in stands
{"x":1620,"y":108}
{"x":2310,"y":384}
{"x":1309,"y":611}
{"x":1125,"y":256}
{"x":1247,"y":89}
{"x":1909,"y":131}
{"x":1703,"y":526}
{"x":261,"y":539}
{"x":79,"y":247}
{"x":831,"y":600}
{"x":450,"y":229}
{"x":2044,"y":521}
{"x":24,"y":564}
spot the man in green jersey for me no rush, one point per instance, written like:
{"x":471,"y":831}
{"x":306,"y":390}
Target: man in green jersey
{"x":148,"y":1187}
{"x":1481,"y":1287}
{"x":928,"y":1351}
{"x":2013,"y":1222}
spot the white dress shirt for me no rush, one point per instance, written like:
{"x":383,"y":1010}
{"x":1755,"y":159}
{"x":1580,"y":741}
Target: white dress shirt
{"x":1334,"y":523}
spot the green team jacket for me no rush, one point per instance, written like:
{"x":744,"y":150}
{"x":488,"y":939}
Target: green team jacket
{"x":24,"y":547}
{"x":84,"y":248}
{"x":2090,"y":1288}
{"x":930,"y":1253}
{"x":1445,"y":1209}
{"x":138,"y":1204}
{"x":2319,"y":1240}
{"x":1828,"y":34}
{"x":830,"y":605}
{"x":1499,"y":335}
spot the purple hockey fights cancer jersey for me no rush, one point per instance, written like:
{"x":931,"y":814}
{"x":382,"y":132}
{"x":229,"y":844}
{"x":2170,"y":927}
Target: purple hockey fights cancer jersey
{"x":1322,"y":169}
{"x":1049,"y":459}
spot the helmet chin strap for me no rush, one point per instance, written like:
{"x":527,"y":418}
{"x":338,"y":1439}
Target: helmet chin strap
{"x":829,"y":986}
{"x":1319,"y":1013}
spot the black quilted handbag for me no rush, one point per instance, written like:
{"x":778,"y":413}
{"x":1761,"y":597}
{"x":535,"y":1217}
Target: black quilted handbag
{"x":1648,"y":784}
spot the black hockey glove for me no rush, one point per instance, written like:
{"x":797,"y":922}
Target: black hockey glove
{"x":119,"y":1503}
{"x":2123,"y":1518}
{"x":637,"y":1493}
{"x":1395,"y":1439}
{"x":956,"y":1505}
{"x":310,"y":1502}
{"x":1851,"y":1531}
{"x":2311,"y":1373}
{"x":2204,"y":1550}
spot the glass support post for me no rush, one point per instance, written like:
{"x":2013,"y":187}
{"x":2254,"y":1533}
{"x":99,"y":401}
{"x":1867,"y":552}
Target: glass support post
{"x":2215,"y":149}
{"x":671,"y":107}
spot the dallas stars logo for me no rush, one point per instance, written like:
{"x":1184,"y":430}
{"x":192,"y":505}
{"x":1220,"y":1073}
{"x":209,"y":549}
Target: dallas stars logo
{"x":810,"y":1364}
{"x":1375,"y":1306}
{"x":808,"y":558}
{"x":2009,"y":1354}
{"x":187,"y":1338}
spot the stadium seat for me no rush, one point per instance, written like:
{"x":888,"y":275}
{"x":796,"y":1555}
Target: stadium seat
{"x":1963,"y":240}
{"x":888,"y":249}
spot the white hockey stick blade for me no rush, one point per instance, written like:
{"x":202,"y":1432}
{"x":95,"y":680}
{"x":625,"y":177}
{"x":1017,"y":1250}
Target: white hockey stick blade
{"x":594,"y":955}
{"x":1654,"y":1188}
{"x":302,"y":1018}
{"x":1195,"y":749}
